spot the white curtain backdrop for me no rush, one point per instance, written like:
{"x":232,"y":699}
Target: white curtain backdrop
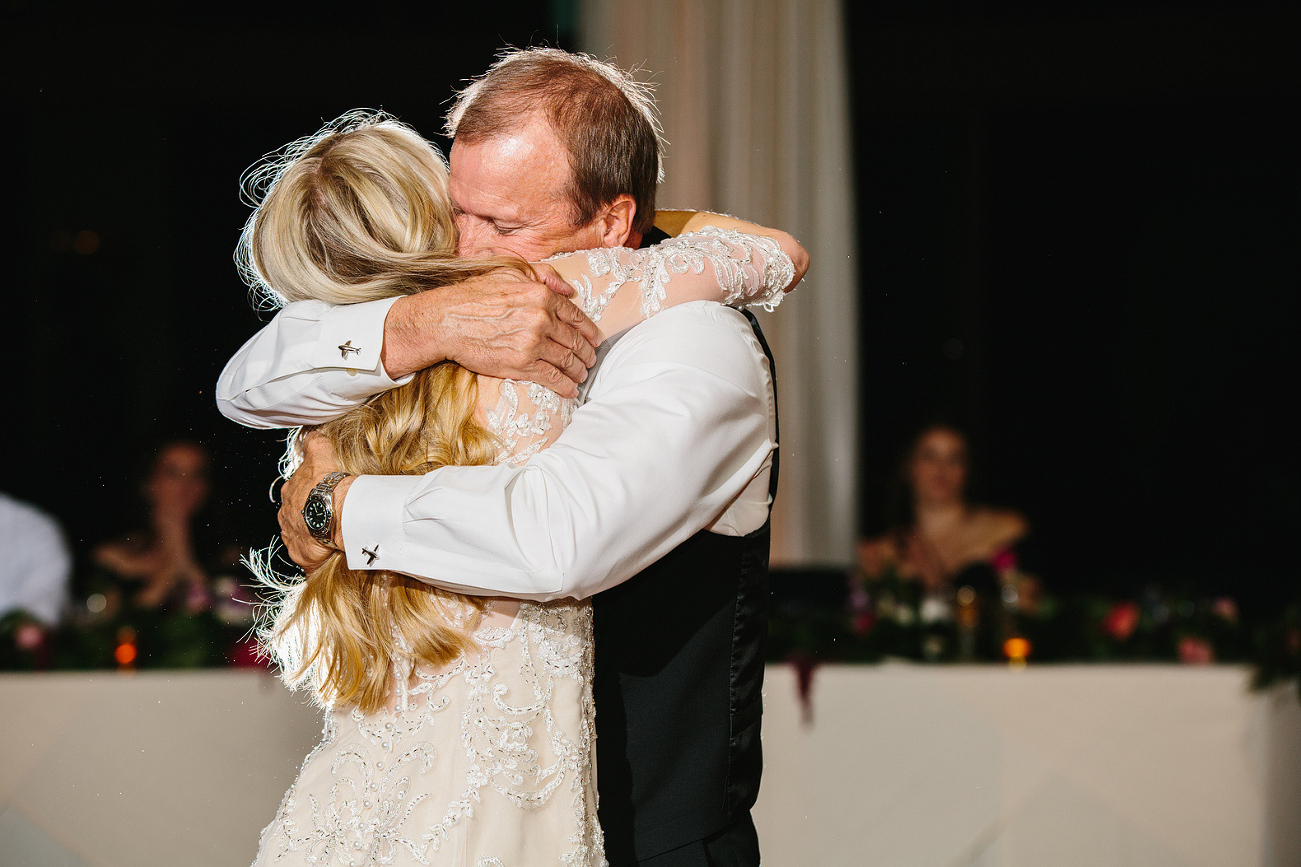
{"x":754,"y":99}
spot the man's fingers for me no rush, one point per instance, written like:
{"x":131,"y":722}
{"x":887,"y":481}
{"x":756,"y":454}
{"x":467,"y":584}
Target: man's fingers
{"x":513,"y":327}
{"x":299,"y":544}
{"x":570,"y":315}
{"x":552,"y":377}
{"x":547,"y":275}
{"x":564,"y":359}
{"x":572,"y":340}
{"x":569,"y":327}
{"x":558,"y":320}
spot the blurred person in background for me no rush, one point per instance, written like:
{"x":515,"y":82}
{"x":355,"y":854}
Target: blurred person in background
{"x":35,"y":566}
{"x":157,"y":566}
{"x":942,"y":541}
{"x":168,"y":593}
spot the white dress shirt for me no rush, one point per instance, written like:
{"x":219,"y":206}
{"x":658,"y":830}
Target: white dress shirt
{"x":36,"y":565}
{"x":677,"y":436}
{"x":310,"y":364}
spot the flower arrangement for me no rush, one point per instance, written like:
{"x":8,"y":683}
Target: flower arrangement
{"x":1008,"y":619}
{"x":214,"y":631}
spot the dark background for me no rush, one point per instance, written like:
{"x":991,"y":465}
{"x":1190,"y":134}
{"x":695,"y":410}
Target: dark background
{"x":1079,"y":235}
{"x":1078,"y":240}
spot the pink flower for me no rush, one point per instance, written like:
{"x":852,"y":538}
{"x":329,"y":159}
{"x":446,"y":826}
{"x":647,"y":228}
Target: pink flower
{"x":864,"y":622}
{"x":248,"y":654}
{"x":1004,"y":561}
{"x":1121,"y":620}
{"x":1195,"y":651}
{"x":29,"y":636}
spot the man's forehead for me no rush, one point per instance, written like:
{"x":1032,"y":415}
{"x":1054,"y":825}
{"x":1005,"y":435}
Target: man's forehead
{"x":507,"y":171}
{"x":529,"y":144}
{"x":488,"y":201}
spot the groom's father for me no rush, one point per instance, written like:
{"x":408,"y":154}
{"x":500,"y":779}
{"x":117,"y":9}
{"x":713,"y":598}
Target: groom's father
{"x":656,"y":498}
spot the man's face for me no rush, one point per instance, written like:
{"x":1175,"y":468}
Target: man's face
{"x":509,"y":194}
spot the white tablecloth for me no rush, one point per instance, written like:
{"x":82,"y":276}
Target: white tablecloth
{"x":901,"y":765}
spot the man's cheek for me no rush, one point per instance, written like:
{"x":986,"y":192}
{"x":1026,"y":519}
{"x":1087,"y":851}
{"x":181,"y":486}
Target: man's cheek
{"x":533,"y":247}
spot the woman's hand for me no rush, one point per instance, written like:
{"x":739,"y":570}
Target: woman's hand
{"x":924,"y":559}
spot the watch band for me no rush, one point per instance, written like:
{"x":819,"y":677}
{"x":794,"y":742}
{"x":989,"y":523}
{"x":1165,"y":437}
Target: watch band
{"x":322,"y":498}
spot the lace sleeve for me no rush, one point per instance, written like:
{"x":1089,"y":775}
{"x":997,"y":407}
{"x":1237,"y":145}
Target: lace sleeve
{"x":524,"y":417}
{"x":619,"y":287}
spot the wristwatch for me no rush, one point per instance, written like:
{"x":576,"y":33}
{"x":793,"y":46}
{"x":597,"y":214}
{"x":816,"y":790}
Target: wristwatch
{"x":318,"y":511}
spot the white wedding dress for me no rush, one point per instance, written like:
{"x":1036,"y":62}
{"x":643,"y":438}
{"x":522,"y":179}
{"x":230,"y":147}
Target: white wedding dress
{"x":491,"y":761}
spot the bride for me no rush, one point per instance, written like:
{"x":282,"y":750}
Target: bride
{"x":458,"y":730}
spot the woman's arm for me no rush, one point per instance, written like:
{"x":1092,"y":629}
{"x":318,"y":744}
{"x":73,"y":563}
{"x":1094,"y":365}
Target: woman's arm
{"x":694,"y":221}
{"x":619,"y":287}
{"x":716,"y":259}
{"x":524,"y":417}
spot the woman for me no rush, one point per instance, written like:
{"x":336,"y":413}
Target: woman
{"x":157,"y":567}
{"x":166,"y":591}
{"x":458,"y":730}
{"x":949,"y":542}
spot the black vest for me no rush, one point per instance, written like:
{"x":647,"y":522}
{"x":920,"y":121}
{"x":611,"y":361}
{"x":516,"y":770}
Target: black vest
{"x":679,"y":676}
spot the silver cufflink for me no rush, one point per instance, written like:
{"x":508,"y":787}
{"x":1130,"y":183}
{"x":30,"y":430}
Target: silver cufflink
{"x":371,"y":555}
{"x":347,"y":347}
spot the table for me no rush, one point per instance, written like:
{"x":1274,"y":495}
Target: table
{"x":900,"y":765}
{"x":950,"y":766}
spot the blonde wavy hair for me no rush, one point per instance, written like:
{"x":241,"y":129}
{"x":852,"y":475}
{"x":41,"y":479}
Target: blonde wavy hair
{"x":356,"y":212}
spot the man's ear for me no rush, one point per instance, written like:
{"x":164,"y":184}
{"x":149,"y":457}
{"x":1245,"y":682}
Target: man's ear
{"x":616,"y":219}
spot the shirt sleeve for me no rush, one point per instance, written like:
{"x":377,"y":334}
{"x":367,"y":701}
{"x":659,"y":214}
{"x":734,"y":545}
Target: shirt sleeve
{"x":46,"y":570}
{"x":310,"y":364}
{"x":675,"y":430}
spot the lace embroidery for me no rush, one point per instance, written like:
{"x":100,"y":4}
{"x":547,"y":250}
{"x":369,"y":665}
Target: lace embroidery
{"x":523,"y":432}
{"x":522,"y":713}
{"x":751,"y":269}
{"x":594,"y":307}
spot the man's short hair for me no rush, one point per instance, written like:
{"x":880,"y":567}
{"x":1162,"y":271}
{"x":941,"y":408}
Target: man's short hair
{"x":605,"y":119}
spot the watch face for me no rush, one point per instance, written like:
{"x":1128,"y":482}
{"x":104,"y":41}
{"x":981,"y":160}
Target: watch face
{"x":317,"y":514}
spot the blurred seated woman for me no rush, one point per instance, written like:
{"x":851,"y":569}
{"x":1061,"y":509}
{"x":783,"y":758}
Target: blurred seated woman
{"x":156,"y":566}
{"x":947,"y":542}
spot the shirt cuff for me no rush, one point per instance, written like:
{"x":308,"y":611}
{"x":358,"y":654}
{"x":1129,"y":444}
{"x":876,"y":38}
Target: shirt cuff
{"x":373,"y":511}
{"x":375,"y":537}
{"x":352,"y":336}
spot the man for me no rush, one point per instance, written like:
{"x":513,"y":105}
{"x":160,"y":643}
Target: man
{"x":37,"y":565}
{"x":665,"y":471}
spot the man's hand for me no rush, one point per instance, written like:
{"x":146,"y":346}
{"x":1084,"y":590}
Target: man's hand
{"x":318,"y":460}
{"x":500,"y":324}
